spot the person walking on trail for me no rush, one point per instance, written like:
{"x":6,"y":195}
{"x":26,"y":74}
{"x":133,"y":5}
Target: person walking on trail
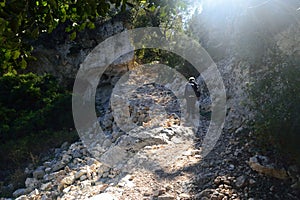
{"x":192,"y":95}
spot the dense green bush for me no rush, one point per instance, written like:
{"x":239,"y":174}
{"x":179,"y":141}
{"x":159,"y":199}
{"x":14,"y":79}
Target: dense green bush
{"x":276,"y":102}
{"x":31,"y":103}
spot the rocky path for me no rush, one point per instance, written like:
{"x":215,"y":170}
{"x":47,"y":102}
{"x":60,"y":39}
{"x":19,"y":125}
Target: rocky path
{"x":231,"y":171}
{"x":156,"y":172}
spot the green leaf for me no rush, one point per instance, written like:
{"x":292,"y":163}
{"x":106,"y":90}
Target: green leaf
{"x":73,"y":36}
{"x":16,"y":54}
{"x":23,"y":64}
{"x":91,"y":25}
{"x":35,"y":32}
{"x":2,"y":4}
{"x":44,"y":3}
{"x":82,"y":26}
{"x":7,"y":54}
{"x":68,"y":29}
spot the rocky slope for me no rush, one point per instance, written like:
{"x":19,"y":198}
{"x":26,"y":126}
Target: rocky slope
{"x":163,"y":158}
{"x":233,"y":170}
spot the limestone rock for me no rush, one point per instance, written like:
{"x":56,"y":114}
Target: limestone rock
{"x":241,"y":181}
{"x":68,"y":180}
{"x":256,"y":163}
{"x":103,"y":196}
{"x":166,"y":197}
{"x":80,"y":173}
{"x":58,"y":166}
{"x":38,"y":173}
{"x":21,"y":191}
{"x":46,"y":186}
{"x":31,"y":183}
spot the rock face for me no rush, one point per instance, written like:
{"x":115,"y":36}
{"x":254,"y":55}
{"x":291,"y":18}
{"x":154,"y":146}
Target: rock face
{"x":61,"y":57}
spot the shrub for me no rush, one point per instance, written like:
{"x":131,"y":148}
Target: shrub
{"x":32,"y":103}
{"x":276,"y":102}
{"x":35,"y":116}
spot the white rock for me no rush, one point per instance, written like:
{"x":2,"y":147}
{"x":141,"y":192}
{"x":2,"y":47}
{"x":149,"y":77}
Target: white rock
{"x":46,"y":186}
{"x":69,"y":180}
{"x":31,"y":182}
{"x":80,"y":173}
{"x":103,"y":196}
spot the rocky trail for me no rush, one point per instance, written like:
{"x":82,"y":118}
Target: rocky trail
{"x":160,"y":172}
{"x":161,"y":159}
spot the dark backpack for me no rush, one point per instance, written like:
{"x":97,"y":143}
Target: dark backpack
{"x":191,"y":89}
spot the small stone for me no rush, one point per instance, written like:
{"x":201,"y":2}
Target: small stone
{"x":67,"y":189}
{"x":48,"y":170}
{"x":111,"y":176}
{"x":66,"y":158}
{"x":103,"y":196}
{"x":252,"y":181}
{"x":80,"y":173}
{"x":69,"y":180}
{"x":83,"y":177}
{"x":146,"y":194}
{"x":240,"y":181}
{"x":205,"y":193}
{"x":20,"y":192}
{"x":64,"y":145}
{"x":214,"y":197}
{"x":34,"y":192}
{"x":103,"y":169}
{"x":184,"y":196}
{"x":46,"y":186}
{"x":56,"y":175}
{"x":231,"y":167}
{"x":23,"y":197}
{"x":169,"y":187}
{"x":31,"y":183}
{"x":158,"y":192}
{"x":104,"y":175}
{"x":76,"y":154}
{"x":166,"y":197}
{"x":58,"y":166}
{"x":38,"y":173}
{"x":296,"y":185}
{"x":261,"y":165}
{"x":28,"y":171}
{"x":47,"y":164}
{"x":187,"y":153}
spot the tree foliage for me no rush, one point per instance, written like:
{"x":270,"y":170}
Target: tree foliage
{"x":23,"y":21}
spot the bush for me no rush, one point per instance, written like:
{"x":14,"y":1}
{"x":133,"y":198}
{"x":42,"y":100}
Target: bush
{"x":32,"y":103}
{"x":35,"y":115}
{"x":276,"y":102}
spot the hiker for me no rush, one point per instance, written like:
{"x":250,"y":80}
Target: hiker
{"x":192,"y":95}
